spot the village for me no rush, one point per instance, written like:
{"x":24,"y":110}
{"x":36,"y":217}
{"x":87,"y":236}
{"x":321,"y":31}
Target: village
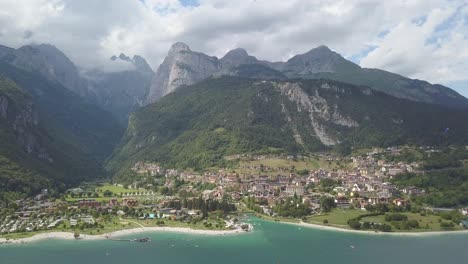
{"x":216,"y":199}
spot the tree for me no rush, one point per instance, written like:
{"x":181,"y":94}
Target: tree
{"x":366,"y":225}
{"x":354,"y":224}
{"x":327,"y":203}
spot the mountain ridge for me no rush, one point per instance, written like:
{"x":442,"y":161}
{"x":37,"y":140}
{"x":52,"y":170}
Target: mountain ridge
{"x":185,"y":67}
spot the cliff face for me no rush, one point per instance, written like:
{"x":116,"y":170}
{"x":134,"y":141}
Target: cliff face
{"x":318,"y":109}
{"x":182,"y":66}
{"x":19,"y":115}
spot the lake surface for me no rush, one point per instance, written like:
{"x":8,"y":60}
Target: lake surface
{"x":269,"y":243}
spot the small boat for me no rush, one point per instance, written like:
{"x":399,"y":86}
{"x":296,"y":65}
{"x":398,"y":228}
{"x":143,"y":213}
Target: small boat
{"x":143,"y":239}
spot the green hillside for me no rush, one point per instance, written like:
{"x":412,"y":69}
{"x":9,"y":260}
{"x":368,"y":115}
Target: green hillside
{"x":81,"y":124}
{"x":196,"y":126}
{"x":49,"y":137}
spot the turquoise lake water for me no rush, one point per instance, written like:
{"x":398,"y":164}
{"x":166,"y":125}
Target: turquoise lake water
{"x":269,"y":243}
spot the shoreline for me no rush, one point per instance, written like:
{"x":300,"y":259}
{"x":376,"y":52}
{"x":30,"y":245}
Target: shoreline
{"x":84,"y":237}
{"x":371,"y":232}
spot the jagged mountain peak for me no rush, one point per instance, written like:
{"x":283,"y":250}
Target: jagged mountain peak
{"x":237,"y":52}
{"x":178,"y":47}
{"x":138,"y":61}
{"x":141,"y":64}
{"x":237,"y":57}
{"x":318,"y":60}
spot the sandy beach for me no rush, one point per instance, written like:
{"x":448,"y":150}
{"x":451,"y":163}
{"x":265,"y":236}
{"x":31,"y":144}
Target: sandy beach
{"x":371,"y":232}
{"x":70,"y":236}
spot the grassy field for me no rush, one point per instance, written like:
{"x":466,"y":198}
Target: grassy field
{"x":117,"y":189}
{"x":99,"y":199}
{"x":336,"y":217}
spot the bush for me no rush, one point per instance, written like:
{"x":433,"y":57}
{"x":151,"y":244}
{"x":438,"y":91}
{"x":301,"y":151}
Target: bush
{"x":395,"y":217}
{"x":366,"y":225}
{"x":446,"y":225}
{"x":325,"y":221}
{"x":413,"y":223}
{"x":354,"y":224}
{"x":385,"y":228}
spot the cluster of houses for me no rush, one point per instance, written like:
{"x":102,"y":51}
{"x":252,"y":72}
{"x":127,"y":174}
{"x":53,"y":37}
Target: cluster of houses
{"x":12,"y":225}
{"x":365,"y":182}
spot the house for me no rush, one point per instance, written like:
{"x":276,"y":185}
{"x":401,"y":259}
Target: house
{"x":342,"y":202}
{"x":206,"y":194}
{"x":113,"y":202}
{"x":413,"y":191}
{"x":399,"y":202}
{"x":294,"y":189}
{"x":130,"y":202}
{"x":73,"y":222}
{"x":464,"y":211}
{"x":55,"y":223}
{"x":88,"y":220}
{"x":395,"y":171}
{"x":75,"y":191}
{"x":120,"y":213}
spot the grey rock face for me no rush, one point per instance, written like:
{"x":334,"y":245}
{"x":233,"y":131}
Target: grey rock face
{"x":318,"y":110}
{"x":182,"y":66}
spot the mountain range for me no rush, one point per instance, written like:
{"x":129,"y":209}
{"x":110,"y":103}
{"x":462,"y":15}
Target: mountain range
{"x":61,"y":125}
{"x":182,"y":66}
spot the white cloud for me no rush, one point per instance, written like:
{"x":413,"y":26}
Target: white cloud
{"x":435,"y":49}
{"x":424,"y":39}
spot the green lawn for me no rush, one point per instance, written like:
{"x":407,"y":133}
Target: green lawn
{"x":99,"y":199}
{"x":338,"y":217}
{"x":117,"y":189}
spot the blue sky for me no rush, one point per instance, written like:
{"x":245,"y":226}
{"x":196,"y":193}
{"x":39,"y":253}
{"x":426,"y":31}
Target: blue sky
{"x":189,"y":2}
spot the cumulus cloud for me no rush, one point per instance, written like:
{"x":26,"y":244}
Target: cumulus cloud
{"x":424,"y":39}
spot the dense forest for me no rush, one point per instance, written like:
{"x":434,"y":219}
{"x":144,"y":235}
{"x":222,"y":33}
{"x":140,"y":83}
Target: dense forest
{"x":446,"y":188}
